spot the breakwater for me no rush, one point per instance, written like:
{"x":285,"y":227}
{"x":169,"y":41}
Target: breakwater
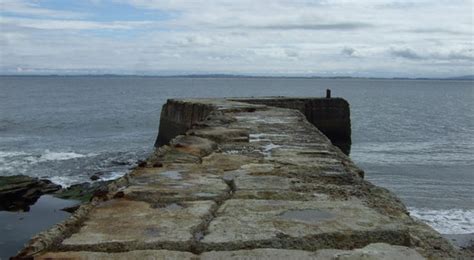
{"x":244,"y":178}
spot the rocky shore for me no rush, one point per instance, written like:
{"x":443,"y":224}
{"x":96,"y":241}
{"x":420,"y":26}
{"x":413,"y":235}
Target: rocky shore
{"x":19,"y":192}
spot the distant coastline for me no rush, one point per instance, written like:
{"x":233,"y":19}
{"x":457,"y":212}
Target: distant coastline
{"x":204,"y":76}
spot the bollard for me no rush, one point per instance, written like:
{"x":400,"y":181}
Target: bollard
{"x":328,"y":93}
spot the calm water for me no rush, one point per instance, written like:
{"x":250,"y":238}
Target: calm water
{"x":414,"y":137}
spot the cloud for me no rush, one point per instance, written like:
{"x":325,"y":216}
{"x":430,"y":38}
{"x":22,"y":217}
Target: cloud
{"x":406,"y":53}
{"x":46,"y":24}
{"x":465,"y":54}
{"x":348,"y":51}
{"x":246,"y":36}
{"x":334,"y":26}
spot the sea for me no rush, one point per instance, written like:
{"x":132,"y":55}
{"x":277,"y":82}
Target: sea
{"x":413,"y":137}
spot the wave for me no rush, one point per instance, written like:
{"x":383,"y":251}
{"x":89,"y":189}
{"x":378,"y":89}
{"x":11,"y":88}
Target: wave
{"x":60,"y":156}
{"x":67,"y":168}
{"x":446,"y":221}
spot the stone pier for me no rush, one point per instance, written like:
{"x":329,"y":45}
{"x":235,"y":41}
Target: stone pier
{"x":245,"y":179}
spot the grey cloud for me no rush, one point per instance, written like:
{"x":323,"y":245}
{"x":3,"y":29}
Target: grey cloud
{"x":406,"y":53}
{"x":437,"y":30}
{"x":461,"y":55}
{"x":347,"y":26}
{"x":348,"y":51}
{"x":453,"y":55}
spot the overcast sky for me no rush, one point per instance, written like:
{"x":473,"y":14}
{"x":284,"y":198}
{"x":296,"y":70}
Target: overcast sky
{"x":382,"y":38}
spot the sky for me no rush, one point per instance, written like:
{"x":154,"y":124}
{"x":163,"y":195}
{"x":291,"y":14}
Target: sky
{"x":366,"y":38}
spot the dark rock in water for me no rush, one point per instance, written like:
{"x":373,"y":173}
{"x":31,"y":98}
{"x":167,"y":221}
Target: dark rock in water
{"x":83,"y":191}
{"x":157,"y":165}
{"x":120,"y":163}
{"x":96,"y":176}
{"x":141,"y":164}
{"x":71,"y":209}
{"x":19,"y":192}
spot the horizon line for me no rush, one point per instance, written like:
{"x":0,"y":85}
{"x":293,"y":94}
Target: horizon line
{"x":224,"y":75}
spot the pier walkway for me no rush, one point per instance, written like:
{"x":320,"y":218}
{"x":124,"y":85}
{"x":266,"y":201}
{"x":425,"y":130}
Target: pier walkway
{"x":242,"y":180}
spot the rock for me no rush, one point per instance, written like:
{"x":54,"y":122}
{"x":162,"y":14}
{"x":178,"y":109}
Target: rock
{"x":141,"y":164}
{"x":157,"y":164}
{"x":82,"y":192}
{"x":96,"y":176}
{"x":71,"y":209}
{"x":194,"y":145}
{"x":19,"y":192}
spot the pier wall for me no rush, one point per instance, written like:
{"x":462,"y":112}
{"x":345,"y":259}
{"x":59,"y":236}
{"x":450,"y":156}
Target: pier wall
{"x":177,"y":117}
{"x":242,"y":180}
{"x":330,"y":115}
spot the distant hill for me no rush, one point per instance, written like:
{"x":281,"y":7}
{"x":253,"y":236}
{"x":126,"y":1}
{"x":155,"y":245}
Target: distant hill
{"x":466,"y":77}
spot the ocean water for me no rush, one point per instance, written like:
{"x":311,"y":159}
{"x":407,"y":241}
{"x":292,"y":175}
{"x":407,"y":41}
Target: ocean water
{"x":414,"y":137}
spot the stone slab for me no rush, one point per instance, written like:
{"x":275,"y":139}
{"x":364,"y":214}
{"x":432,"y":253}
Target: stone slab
{"x":139,"y":254}
{"x":122,"y":223}
{"x":173,"y":185}
{"x":378,"y":251}
{"x":308,"y":225}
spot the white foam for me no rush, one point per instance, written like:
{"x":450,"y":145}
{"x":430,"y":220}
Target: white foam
{"x":112,"y":176}
{"x":447,"y":221}
{"x":64,"y":181}
{"x":4,"y":154}
{"x":61,"y":156}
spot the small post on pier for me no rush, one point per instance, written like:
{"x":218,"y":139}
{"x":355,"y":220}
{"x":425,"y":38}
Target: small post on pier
{"x":328,"y":93}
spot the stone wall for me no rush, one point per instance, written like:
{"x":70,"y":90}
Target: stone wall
{"x":330,"y":115}
{"x":177,"y":117}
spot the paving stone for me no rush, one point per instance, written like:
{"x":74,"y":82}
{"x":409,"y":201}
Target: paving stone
{"x":131,"y":224}
{"x":379,"y":251}
{"x":174,"y":185}
{"x":139,"y":254}
{"x":299,"y":225}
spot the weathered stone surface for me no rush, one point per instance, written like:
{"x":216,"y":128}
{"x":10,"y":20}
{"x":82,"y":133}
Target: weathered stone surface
{"x":19,"y":192}
{"x":330,"y":115}
{"x":266,"y":253}
{"x":175,"y":185}
{"x":127,"y":224}
{"x":305,"y":225}
{"x":139,"y":254}
{"x":379,"y":251}
{"x":222,"y":134}
{"x":194,"y":145}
